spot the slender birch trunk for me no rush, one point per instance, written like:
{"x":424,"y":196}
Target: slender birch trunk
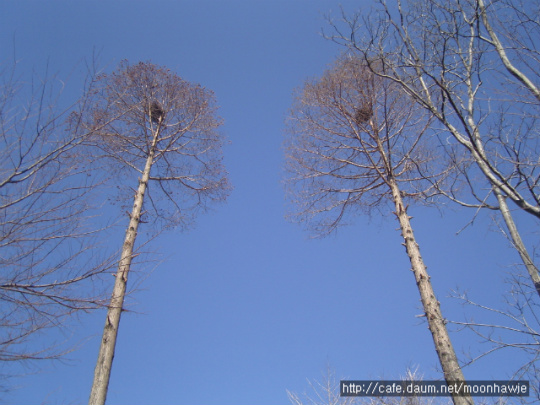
{"x":103,"y":368}
{"x":517,"y":241}
{"x":437,"y":325}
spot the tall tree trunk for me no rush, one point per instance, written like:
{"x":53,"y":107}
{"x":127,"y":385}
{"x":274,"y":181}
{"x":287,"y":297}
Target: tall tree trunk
{"x":102,"y":371}
{"x":437,"y":325}
{"x":516,"y":240}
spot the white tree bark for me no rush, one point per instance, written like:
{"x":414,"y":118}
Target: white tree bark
{"x":103,"y":368}
{"x":517,"y":241}
{"x":510,"y":67}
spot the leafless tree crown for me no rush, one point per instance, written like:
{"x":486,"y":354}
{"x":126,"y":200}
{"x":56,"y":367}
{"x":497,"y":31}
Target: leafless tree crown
{"x":347,"y":133}
{"x":133,"y":102}
{"x":474,"y":67}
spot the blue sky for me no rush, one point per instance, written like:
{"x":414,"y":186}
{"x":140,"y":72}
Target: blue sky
{"x":246,"y":306}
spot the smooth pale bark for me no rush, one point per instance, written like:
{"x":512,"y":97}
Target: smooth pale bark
{"x":437,"y":325}
{"x":103,"y":368}
{"x":517,"y":241}
{"x":510,"y":67}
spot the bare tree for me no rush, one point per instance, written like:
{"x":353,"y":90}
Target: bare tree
{"x":151,"y":124}
{"x":326,"y":392}
{"x":513,"y":328}
{"x":473,"y":66}
{"x":356,"y":144}
{"x":47,"y":228}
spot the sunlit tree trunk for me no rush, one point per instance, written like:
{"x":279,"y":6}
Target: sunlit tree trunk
{"x":437,"y":325}
{"x":432,"y":308}
{"x":102,"y":372}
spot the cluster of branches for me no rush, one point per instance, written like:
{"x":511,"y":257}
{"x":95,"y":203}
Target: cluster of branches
{"x":145,"y":109}
{"x":47,"y":227}
{"x":514,"y":327}
{"x":326,"y":392}
{"x":141,"y":122}
{"x":472,"y":67}
{"x":349,"y":132}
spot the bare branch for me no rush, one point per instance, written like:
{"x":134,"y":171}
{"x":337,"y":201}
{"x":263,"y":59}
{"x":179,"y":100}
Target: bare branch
{"x":48,"y":226}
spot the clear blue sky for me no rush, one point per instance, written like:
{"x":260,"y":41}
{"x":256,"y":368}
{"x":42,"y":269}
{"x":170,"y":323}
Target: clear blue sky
{"x":245,"y":305}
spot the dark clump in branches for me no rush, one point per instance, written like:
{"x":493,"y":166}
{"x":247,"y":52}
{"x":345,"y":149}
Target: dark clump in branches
{"x":186,"y":154}
{"x":156,"y":112}
{"x":349,"y":132}
{"x":363,"y":114}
